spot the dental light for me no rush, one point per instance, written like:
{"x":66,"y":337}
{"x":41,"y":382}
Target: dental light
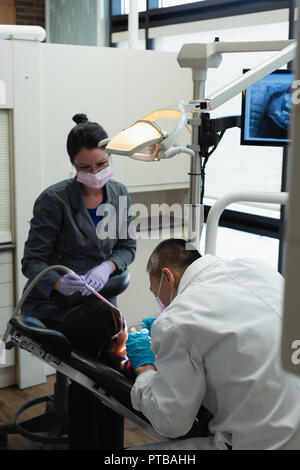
{"x":140,"y":141}
{"x":145,"y":140}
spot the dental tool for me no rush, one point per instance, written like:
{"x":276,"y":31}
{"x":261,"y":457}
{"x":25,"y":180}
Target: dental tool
{"x":93,"y":291}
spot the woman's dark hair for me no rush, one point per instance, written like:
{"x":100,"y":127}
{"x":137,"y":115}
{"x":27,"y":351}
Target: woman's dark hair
{"x":85,"y":134}
{"x":90,"y":326}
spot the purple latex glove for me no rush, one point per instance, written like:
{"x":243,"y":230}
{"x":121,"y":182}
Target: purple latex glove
{"x":98,"y":277}
{"x":71,"y":283}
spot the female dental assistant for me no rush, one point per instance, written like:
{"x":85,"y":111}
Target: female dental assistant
{"x":65,"y":229}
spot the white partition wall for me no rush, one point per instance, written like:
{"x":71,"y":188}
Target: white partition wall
{"x":115,"y":88}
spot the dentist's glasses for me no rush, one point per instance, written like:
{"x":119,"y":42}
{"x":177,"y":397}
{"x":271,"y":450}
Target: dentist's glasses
{"x":88,"y":169}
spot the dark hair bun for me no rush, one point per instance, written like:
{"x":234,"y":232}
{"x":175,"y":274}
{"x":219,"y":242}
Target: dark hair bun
{"x":80,"y":118}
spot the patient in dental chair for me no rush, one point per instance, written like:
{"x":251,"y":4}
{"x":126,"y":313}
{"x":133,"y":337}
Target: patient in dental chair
{"x":98,"y":331}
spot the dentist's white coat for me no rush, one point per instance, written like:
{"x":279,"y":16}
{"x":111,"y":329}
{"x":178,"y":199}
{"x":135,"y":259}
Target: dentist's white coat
{"x":218,"y":344}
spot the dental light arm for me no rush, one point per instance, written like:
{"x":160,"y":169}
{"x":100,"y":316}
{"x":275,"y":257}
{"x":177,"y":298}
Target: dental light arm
{"x":171,"y":139}
{"x":248,"y":79}
{"x":177,"y":150}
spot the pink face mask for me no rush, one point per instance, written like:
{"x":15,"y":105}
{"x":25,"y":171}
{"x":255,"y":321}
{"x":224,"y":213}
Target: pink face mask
{"x":95,"y":181}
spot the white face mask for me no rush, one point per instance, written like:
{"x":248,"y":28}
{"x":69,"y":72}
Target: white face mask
{"x":97,"y":180}
{"x":162,"y":306}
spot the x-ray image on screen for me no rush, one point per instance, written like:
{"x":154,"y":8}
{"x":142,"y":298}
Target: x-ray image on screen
{"x":267,"y":110}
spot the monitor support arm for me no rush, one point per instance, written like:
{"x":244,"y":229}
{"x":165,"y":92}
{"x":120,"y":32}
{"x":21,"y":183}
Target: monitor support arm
{"x":211,"y":130}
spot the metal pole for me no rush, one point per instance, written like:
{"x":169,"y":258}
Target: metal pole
{"x":286,"y":155}
{"x":133,"y":25}
{"x":196,"y":208}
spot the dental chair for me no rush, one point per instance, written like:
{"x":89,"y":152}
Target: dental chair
{"x":31,"y":334}
{"x":109,"y":386}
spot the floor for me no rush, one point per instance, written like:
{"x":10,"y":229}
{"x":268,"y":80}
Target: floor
{"x":12,"y":398}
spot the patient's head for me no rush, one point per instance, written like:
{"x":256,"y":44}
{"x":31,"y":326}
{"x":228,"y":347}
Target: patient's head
{"x":91,"y":328}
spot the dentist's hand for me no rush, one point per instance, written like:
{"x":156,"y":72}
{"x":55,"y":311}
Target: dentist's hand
{"x":98,"y":276}
{"x":70,"y":283}
{"x":148,"y":322}
{"x":138,"y":349}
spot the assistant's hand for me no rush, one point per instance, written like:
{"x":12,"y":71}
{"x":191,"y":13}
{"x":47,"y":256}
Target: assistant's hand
{"x":148,"y":322}
{"x":138,"y":349}
{"x":98,"y":276}
{"x":71,"y":283}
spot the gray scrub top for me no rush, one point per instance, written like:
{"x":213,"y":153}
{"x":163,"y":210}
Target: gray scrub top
{"x":62,"y":232}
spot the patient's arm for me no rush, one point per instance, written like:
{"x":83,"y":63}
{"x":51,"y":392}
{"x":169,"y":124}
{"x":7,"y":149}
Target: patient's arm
{"x":141,"y":369}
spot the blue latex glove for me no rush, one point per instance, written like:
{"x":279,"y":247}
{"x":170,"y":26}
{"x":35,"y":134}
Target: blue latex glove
{"x":98,"y":277}
{"x":148,"y":322}
{"x":138,"y":349}
{"x":71,"y":283}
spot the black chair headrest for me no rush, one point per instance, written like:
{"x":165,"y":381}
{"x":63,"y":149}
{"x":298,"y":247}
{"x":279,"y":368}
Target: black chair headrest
{"x":51,"y":340}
